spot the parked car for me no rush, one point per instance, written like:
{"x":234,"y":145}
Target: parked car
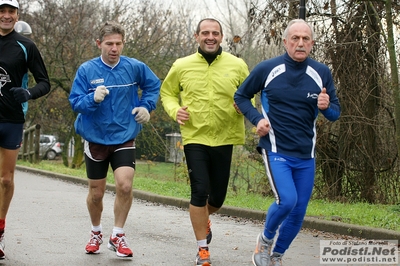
{"x":50,"y":148}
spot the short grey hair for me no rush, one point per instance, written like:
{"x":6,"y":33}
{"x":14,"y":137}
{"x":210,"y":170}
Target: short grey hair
{"x":111,"y":27}
{"x":294,"y":21}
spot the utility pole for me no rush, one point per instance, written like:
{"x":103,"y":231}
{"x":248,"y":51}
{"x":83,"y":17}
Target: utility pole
{"x":302,"y":9}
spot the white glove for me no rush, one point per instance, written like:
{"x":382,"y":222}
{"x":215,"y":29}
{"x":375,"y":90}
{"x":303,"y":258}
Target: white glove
{"x":142,"y":115}
{"x":100,"y":93}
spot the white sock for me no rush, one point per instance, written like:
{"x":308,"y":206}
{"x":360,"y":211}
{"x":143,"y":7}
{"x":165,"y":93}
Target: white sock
{"x":117,"y":230}
{"x":202,"y":243}
{"x":96,"y":228}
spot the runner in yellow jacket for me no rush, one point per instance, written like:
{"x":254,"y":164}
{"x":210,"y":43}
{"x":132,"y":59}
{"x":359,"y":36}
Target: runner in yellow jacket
{"x":198,"y":94}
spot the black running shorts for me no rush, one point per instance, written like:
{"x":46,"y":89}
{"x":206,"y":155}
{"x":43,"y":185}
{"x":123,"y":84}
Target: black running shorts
{"x":98,"y":157}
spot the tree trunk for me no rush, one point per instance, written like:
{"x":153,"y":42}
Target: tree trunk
{"x":77,"y":159}
{"x":393,"y":67}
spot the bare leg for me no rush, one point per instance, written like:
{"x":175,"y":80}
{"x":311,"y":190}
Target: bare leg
{"x":199,"y":217}
{"x":124,"y":197}
{"x":211,"y":209}
{"x":8,"y":159}
{"x":94,"y":200}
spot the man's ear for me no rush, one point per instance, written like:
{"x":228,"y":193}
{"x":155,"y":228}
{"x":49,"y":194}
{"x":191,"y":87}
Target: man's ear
{"x":98,"y":43}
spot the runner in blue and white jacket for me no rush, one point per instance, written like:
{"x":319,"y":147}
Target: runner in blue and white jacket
{"x":110,"y":122}
{"x":294,"y":89}
{"x":105,"y":93}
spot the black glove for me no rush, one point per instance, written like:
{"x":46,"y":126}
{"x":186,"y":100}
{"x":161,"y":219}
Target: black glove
{"x":21,"y":95}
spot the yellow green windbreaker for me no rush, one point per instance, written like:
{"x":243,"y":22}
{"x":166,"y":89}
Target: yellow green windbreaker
{"x":208,"y":92}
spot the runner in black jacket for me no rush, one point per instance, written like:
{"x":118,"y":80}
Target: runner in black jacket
{"x":18,"y":54}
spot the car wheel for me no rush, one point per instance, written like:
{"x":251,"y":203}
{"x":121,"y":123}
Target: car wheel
{"x":51,"y":155}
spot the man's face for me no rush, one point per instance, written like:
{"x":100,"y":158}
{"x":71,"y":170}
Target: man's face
{"x":209,"y":37}
{"x":299,"y":42}
{"x":8,"y":18}
{"x":111,"y":48}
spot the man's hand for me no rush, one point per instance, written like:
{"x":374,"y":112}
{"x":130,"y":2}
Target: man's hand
{"x":323,"y":100}
{"x":263,"y":127}
{"x":182,"y":115}
{"x":141,"y":115}
{"x":21,"y":95}
{"x":100,"y":93}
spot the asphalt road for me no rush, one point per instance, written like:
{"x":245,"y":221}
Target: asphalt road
{"x":48,"y":224}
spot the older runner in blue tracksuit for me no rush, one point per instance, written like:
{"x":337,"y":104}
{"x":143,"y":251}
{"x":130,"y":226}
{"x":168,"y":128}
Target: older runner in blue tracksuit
{"x":294,"y":89}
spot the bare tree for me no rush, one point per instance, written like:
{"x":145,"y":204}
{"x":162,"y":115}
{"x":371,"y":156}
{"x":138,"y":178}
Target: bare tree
{"x":65,"y":34}
{"x":357,"y":155}
{"x":65,"y":31}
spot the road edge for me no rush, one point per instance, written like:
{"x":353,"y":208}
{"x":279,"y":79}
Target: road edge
{"x":309,"y":222}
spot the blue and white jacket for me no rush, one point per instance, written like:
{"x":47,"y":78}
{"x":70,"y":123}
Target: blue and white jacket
{"x":289,"y":93}
{"x":111,"y":122}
